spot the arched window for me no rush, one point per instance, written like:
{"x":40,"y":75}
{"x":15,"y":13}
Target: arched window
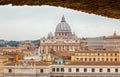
{"x":89,"y":59}
{"x":115,"y":59}
{"x":94,"y":59}
{"x":106,"y":59}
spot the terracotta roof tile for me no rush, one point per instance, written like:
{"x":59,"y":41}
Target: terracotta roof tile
{"x":37,"y":63}
{"x":94,"y":63}
{"x":97,"y":51}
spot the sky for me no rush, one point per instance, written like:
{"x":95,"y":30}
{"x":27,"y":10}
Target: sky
{"x":33,"y":22}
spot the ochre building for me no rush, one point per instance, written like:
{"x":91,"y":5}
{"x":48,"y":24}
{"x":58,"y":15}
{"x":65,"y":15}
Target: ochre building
{"x":96,"y":56}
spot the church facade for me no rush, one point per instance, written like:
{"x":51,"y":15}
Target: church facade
{"x":62,"y":39}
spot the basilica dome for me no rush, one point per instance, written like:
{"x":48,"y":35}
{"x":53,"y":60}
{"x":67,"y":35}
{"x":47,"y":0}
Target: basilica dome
{"x":63,"y":26}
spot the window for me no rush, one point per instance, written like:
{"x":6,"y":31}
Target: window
{"x":93,"y":59}
{"x":10,"y":70}
{"x":106,"y":59}
{"x":41,"y":70}
{"x":57,"y":69}
{"x":77,"y":69}
{"x":62,"y":69}
{"x":116,"y":70}
{"x":85,"y":70}
{"x":53,"y":69}
{"x":77,"y":58}
{"x":98,"y":54}
{"x":111,"y":54}
{"x":98,"y":59}
{"x":115,"y":54}
{"x":100,"y":70}
{"x":115,"y":59}
{"x":69,"y":70}
{"x":81,"y":59}
{"x":76,"y":40}
{"x":111,"y":59}
{"x":85,"y":59}
{"x":89,"y":59}
{"x":108,"y":70}
{"x":102,"y":59}
{"x":93,"y":70}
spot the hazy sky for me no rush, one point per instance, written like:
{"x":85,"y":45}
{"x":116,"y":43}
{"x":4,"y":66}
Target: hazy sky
{"x":33,"y":22}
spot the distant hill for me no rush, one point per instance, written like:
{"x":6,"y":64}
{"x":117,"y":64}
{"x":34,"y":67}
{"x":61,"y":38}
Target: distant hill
{"x":4,"y":43}
{"x":36,"y":42}
{"x":12,"y":43}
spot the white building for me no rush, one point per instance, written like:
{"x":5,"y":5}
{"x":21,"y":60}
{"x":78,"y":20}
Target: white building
{"x":73,"y":69}
{"x":62,"y":40}
{"x":95,"y":43}
{"x":112,"y":42}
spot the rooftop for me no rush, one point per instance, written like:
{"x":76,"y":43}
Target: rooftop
{"x":37,"y":63}
{"x":95,"y":63}
{"x":97,"y":51}
{"x":42,"y":63}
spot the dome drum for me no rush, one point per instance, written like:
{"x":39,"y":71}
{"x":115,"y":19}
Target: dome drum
{"x":63,"y":26}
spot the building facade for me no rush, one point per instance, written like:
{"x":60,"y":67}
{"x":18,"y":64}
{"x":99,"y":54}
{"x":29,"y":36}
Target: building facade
{"x":95,"y":43}
{"x":96,"y":56}
{"x":73,"y":69}
{"x":62,"y":40}
{"x":112,"y":42}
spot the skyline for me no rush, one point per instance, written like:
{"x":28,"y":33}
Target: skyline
{"x":31,"y":23}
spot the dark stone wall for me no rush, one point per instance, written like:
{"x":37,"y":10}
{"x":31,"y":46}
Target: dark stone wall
{"x":107,"y":8}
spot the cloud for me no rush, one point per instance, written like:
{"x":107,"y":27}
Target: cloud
{"x":28,"y":23}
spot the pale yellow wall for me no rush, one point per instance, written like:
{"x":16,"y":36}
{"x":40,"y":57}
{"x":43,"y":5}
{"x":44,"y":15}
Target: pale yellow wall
{"x":77,"y":56}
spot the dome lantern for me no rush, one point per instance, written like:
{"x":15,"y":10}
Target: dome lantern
{"x":63,"y":19}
